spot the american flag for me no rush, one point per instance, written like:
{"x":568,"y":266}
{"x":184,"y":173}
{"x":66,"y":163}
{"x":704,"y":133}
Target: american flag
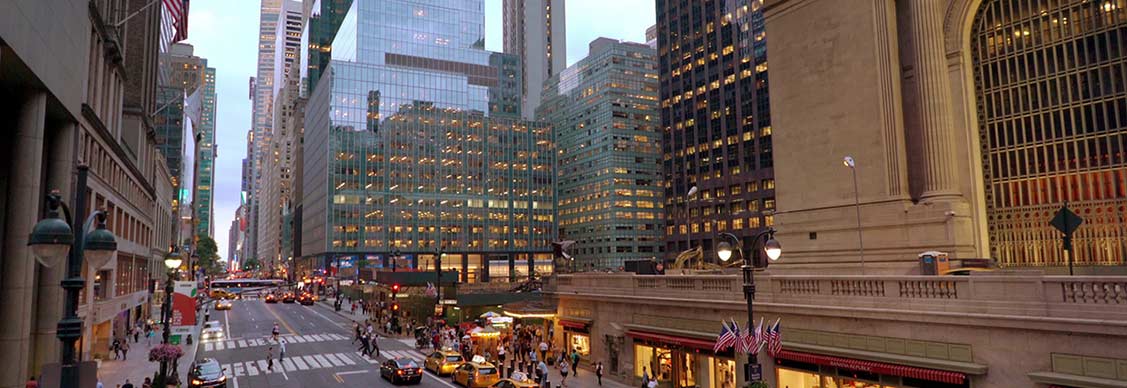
{"x":179,"y":11}
{"x":431,"y":291}
{"x":774,"y":339}
{"x":753,"y":340}
{"x":727,"y":337}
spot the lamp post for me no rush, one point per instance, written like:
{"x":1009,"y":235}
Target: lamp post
{"x":50,"y":240}
{"x":849,"y":162}
{"x":172,"y":261}
{"x":773,"y":249}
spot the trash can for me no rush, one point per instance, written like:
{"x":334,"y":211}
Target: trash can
{"x":934,"y":263}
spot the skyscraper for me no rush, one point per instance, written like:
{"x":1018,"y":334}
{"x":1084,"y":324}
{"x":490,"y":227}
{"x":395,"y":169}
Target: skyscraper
{"x":414,"y":146}
{"x":716,"y":122}
{"x":608,"y":169}
{"x":206,"y":151}
{"x":535,"y":31}
{"x":262,"y":94}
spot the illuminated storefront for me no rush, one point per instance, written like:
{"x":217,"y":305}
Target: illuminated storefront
{"x":806,"y":370}
{"x":676,"y":361}
{"x":577,"y":334}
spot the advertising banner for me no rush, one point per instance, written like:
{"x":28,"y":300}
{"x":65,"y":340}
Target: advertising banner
{"x":183,"y":308}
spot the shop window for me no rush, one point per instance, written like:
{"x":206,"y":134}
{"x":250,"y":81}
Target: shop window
{"x":580,"y":343}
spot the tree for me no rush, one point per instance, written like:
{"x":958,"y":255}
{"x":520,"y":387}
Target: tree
{"x":209,"y":255}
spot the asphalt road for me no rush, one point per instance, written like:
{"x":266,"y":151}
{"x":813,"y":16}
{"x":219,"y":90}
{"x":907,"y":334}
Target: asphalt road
{"x":319,"y":349}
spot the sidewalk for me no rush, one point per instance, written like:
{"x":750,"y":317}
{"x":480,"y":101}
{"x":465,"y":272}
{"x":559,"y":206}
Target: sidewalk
{"x":586,"y":378}
{"x":137,"y":367}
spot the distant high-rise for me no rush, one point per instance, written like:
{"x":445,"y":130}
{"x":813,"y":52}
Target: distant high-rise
{"x":414,"y":146}
{"x":608,"y":168}
{"x":535,"y":31}
{"x":206,"y":151}
{"x":716,"y":122}
{"x":262,"y":95}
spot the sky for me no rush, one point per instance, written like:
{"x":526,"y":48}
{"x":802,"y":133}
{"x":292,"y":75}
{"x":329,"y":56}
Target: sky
{"x":226,"y":33}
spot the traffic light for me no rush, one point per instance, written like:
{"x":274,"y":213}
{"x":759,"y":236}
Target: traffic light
{"x":395,"y":288}
{"x":395,"y":307}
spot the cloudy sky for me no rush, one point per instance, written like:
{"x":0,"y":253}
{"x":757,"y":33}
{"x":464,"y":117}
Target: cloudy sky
{"x":226,"y":33}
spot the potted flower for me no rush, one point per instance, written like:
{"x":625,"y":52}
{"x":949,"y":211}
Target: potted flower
{"x":165,"y":353}
{"x":757,"y":384}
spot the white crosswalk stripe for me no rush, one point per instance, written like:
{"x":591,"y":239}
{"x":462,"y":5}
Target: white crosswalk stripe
{"x":228,"y":371}
{"x":219,"y":345}
{"x":346,"y":359}
{"x":207,"y":347}
{"x":370,"y":360}
{"x":288,"y":365}
{"x":253,"y":342}
{"x":312,"y":362}
{"x":300,"y":363}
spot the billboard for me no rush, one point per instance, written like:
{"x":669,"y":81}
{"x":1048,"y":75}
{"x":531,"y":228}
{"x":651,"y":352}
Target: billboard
{"x":183,"y":309}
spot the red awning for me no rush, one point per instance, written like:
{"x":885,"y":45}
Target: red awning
{"x":875,"y":367}
{"x":671,"y":339}
{"x":573,"y":324}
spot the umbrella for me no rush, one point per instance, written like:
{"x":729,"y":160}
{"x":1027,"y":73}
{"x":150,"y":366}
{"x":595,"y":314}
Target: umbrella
{"x":489,"y":314}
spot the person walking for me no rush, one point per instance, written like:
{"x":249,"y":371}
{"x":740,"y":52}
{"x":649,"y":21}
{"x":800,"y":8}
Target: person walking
{"x":356,"y":328}
{"x":542,"y":369}
{"x":116,"y":347}
{"x":375,"y":344}
{"x":127,"y":384}
{"x":124,"y":350}
{"x":564,"y":366}
{"x":137,"y":334}
{"x":281,"y":350}
{"x":599,"y":372}
{"x":543,"y":350}
{"x":270,"y":359}
{"x":364,"y":344}
{"x":501,"y":358}
{"x":575,"y":361}
{"x":275,"y":331}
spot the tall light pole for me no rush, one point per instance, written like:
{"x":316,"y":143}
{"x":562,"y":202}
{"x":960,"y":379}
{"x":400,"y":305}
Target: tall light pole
{"x":172,"y":261}
{"x":51,"y":239}
{"x":688,"y":226}
{"x":849,"y":162}
{"x":773,"y":249}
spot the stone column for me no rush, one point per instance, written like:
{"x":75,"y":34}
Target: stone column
{"x":17,"y":266}
{"x":49,"y":303}
{"x":934,"y":94}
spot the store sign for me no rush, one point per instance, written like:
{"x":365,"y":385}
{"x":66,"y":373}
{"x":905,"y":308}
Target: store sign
{"x":449,"y":302}
{"x":501,"y":320}
{"x":183,"y":307}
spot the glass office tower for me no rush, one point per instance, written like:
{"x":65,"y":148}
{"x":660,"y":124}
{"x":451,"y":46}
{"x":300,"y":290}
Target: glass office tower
{"x":604,"y":111}
{"x":414,"y":146}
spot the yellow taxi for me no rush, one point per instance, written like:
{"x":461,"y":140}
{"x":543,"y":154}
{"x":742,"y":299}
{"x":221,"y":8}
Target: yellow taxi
{"x":443,"y":362}
{"x":476,"y":375}
{"x":222,"y":294}
{"x":518,"y":380}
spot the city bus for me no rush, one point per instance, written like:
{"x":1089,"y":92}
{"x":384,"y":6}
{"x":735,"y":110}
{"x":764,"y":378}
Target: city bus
{"x":229,"y":287}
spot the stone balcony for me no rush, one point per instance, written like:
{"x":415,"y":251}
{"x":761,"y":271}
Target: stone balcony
{"x":1083,"y":303}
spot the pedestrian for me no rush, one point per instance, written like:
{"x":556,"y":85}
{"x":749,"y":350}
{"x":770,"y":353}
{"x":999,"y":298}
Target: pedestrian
{"x":99,"y":385}
{"x":645,"y":377}
{"x":563,"y":372}
{"x":501,"y":358}
{"x":125,"y":350}
{"x":270,"y":358}
{"x":375,"y":344}
{"x":543,"y":350}
{"x":116,"y":347}
{"x":149,"y":337}
{"x":31,"y":383}
{"x":148,"y":383}
{"x":364,"y":345}
{"x":542,"y":369}
{"x":281,"y":350}
{"x":275,"y":331}
{"x":599,"y":372}
{"x":575,"y":361}
{"x":127,"y":384}
{"x":136,"y":334}
{"x":356,"y":328}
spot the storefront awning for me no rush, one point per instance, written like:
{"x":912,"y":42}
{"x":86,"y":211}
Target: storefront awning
{"x":671,"y":339}
{"x":875,"y":367}
{"x":574,"y":322}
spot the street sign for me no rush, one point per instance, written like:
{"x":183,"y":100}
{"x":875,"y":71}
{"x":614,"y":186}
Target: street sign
{"x":754,"y":372}
{"x":1066,"y":221}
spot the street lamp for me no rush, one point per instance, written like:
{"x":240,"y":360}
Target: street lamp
{"x":773,"y":249}
{"x":848,"y":162}
{"x":51,"y":239}
{"x":172,"y":261}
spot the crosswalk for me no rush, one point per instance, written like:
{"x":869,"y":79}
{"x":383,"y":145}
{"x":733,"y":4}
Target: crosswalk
{"x":311,"y":362}
{"x":388,"y":354}
{"x":252,"y":342}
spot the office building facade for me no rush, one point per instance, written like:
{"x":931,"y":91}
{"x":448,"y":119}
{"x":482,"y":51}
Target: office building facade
{"x":261,"y":94}
{"x":416,"y":146}
{"x":535,"y":31}
{"x":604,"y":113}
{"x":206,"y":151}
{"x":1009,"y":111}
{"x":716,"y":122}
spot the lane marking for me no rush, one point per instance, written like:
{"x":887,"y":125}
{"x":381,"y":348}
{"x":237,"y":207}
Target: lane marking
{"x":300,"y":364}
{"x":283,"y":321}
{"x":333,"y":359}
{"x":346,"y":359}
{"x":312,"y":362}
{"x":231,"y":344}
{"x":251,"y":370}
{"x":263,"y":367}
{"x":352,"y":372}
{"x":321,"y":359}
{"x":219,"y":345}
{"x":207,"y":347}
{"x":239,"y":370}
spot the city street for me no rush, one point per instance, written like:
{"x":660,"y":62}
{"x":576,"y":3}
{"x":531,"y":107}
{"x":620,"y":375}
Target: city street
{"x":319,"y":350}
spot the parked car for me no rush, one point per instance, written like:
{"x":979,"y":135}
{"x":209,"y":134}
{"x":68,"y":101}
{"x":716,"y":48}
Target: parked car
{"x":206,"y":372}
{"x":401,"y":370}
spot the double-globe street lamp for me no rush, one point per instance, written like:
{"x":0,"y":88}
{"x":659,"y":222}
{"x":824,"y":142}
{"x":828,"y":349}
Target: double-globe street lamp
{"x":773,"y":249}
{"x":172,"y":261}
{"x":51,"y":239}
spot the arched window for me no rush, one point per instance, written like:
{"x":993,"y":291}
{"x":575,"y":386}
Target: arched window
{"x":1051,"y":93}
